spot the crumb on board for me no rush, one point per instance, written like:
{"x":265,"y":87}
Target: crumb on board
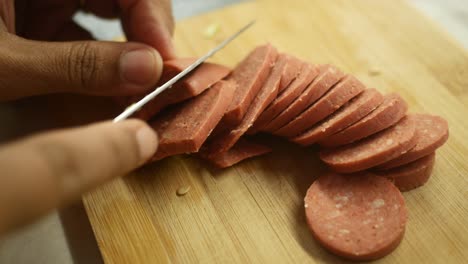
{"x":211,"y":30}
{"x":373,"y":71}
{"x":183,"y":190}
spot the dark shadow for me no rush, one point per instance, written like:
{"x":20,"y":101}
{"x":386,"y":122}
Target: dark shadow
{"x":79,"y":234}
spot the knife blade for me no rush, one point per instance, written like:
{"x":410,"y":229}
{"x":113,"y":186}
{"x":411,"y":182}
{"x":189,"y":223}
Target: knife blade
{"x":138,"y":105}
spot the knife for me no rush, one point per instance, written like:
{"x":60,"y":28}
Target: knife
{"x":138,"y":105}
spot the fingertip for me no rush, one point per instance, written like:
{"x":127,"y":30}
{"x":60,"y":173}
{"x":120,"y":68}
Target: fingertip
{"x":147,"y":142}
{"x":140,"y":68}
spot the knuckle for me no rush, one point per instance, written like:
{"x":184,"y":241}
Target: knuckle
{"x":82,"y":65}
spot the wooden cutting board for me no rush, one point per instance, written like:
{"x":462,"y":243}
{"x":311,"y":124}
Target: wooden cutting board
{"x":253,"y":212}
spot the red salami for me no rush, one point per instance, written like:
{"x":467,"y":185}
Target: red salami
{"x":242,"y":150}
{"x":350,"y":113}
{"x":192,"y":85}
{"x":392,"y":109}
{"x":432,"y":132}
{"x":186,"y":127}
{"x":308,"y":73}
{"x":225,"y":139}
{"x":328,"y":76}
{"x":249,"y":74}
{"x":411,"y":175}
{"x":359,"y":217}
{"x":373,"y":150}
{"x":339,"y":95}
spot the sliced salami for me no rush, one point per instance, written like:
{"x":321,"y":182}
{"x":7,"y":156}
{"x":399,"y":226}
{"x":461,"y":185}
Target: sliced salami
{"x":327,"y":77}
{"x":225,"y":139}
{"x":373,"y":150}
{"x":186,"y":127}
{"x":432,"y":132}
{"x":359,"y":217}
{"x":291,"y":71}
{"x":308,"y":73}
{"x":242,"y":150}
{"x":350,"y":113}
{"x":249,"y":74}
{"x":192,"y":85}
{"x":412,"y":175}
{"x":339,"y":95}
{"x":392,"y":109}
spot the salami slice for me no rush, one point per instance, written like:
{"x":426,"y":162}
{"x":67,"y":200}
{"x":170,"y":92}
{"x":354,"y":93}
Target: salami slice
{"x":392,"y":109}
{"x":359,"y":217}
{"x":308,"y":73}
{"x":225,"y":139}
{"x":373,"y":150}
{"x":291,"y":71}
{"x":412,"y":175}
{"x":350,"y":113}
{"x":192,"y":85}
{"x":339,"y":95}
{"x":432,"y":132}
{"x":242,"y":150}
{"x":327,"y":77}
{"x":249,"y":74}
{"x":186,"y":127}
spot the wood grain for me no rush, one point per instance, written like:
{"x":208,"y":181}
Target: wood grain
{"x":253,"y":212}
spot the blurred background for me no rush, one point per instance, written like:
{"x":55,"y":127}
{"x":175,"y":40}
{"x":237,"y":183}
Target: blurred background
{"x":452,"y":15}
{"x":66,"y":236}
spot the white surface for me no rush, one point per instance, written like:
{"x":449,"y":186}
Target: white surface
{"x":46,"y":242}
{"x":451,"y":15}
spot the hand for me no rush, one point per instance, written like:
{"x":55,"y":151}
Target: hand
{"x":44,"y":171}
{"x":33,"y":66}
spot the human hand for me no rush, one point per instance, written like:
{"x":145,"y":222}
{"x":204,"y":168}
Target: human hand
{"x":52,"y":169}
{"x":32,"y":64}
{"x":49,"y":170}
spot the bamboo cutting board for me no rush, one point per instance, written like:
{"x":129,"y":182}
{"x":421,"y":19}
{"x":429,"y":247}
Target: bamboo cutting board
{"x":253,"y":212}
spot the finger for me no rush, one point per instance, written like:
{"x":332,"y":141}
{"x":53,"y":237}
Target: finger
{"x":7,"y":14}
{"x":72,"y":31}
{"x":53,"y":169}
{"x":42,"y":20}
{"x":102,"y":8}
{"x":89,"y":67}
{"x":150,"y":22}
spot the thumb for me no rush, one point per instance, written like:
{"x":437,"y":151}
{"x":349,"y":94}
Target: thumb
{"x":89,"y":67}
{"x":52,"y":169}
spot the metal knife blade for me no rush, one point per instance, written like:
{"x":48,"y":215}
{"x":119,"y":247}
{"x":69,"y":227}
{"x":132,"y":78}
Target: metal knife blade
{"x":136,"y":106}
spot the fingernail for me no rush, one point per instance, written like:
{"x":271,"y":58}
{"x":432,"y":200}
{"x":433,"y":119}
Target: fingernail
{"x":147,"y":142}
{"x":140,"y":67}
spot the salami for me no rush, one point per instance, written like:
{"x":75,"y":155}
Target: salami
{"x":186,"y":127}
{"x":339,"y":95}
{"x":242,"y":150}
{"x":249,"y":74}
{"x":291,"y":71}
{"x":373,"y":150}
{"x":359,"y":217}
{"x":412,"y":175}
{"x":308,"y":73}
{"x":392,"y":109}
{"x":192,"y":85}
{"x":350,"y":113}
{"x":327,"y":77}
{"x":432,"y":132}
{"x":225,"y":139}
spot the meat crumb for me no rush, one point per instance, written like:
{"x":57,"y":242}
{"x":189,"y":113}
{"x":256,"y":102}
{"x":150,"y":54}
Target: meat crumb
{"x":183,"y":190}
{"x":374,"y":71}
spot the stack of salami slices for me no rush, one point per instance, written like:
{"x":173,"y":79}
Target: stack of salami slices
{"x":374,"y":148}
